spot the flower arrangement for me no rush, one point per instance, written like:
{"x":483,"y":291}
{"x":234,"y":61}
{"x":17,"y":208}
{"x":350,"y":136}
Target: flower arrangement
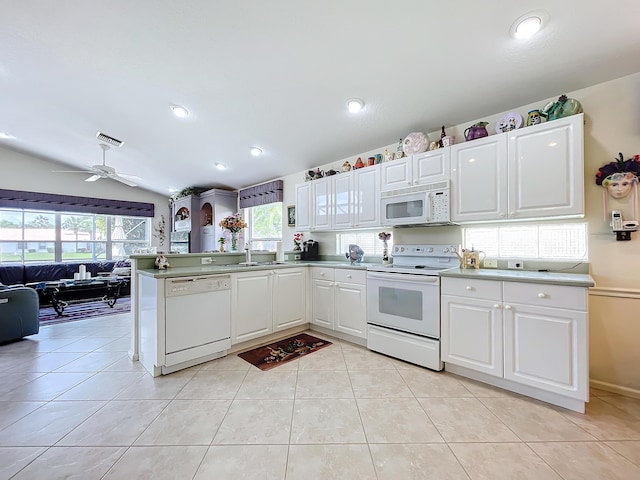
{"x":233,"y":223}
{"x":385,"y":236}
{"x":297,"y":238}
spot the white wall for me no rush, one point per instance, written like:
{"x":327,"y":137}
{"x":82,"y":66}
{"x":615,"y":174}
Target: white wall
{"x":612,"y":125}
{"x":33,"y":174}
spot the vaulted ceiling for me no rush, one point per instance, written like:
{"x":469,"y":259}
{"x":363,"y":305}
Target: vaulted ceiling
{"x":278,"y":74}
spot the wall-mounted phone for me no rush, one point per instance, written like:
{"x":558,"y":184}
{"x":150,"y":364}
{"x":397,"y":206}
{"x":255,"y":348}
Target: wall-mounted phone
{"x":622,"y":228}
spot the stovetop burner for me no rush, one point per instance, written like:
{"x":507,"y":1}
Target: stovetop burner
{"x":428,"y":259}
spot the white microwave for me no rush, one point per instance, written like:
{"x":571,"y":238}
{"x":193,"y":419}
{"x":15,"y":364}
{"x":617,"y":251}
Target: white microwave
{"x":420,"y":205}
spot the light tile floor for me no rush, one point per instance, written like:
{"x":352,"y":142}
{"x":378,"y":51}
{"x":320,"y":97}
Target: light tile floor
{"x":73,"y":406}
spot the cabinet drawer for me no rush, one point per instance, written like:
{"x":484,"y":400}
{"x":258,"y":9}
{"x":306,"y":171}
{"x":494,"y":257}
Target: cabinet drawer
{"x":542,"y":295}
{"x":346,"y":275}
{"x":468,"y":287}
{"x":322,"y":273}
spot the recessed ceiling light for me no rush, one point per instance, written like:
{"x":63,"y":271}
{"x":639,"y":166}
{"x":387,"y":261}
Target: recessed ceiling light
{"x":220,"y":166}
{"x":256,"y":151}
{"x":179,"y":111}
{"x":172,"y":190}
{"x":355,"y":105}
{"x":6,"y":136}
{"x":528,"y":24}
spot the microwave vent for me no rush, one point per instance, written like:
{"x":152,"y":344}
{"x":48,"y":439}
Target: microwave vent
{"x":110,"y":140}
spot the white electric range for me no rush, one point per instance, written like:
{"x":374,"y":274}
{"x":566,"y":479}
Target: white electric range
{"x":403,"y":303}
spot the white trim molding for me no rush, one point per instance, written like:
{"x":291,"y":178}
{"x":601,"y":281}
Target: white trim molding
{"x":615,"y":292}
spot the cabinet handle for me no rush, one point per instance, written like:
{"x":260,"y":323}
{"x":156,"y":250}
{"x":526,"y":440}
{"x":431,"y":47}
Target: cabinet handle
{"x":497,"y":305}
{"x":512,"y":214}
{"x":502,"y":215}
{"x":322,"y":274}
{"x":348,"y":276}
{"x":469,"y":287}
{"x":542,"y":295}
{"x":507,"y":307}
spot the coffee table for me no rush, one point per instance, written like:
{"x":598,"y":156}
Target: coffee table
{"x":64,"y":292}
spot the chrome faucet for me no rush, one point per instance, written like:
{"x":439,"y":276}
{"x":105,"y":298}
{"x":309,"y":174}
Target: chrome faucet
{"x":247,"y":251}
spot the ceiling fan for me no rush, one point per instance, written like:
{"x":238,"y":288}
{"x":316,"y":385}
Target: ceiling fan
{"x":104,"y":171}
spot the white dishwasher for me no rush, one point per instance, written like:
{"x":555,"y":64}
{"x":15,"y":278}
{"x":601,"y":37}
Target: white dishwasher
{"x":197,"y":320}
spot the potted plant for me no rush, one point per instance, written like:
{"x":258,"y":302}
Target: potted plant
{"x":222,"y":241}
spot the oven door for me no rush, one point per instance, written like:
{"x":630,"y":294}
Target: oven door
{"x":404,"y":302}
{"x":406,"y":209}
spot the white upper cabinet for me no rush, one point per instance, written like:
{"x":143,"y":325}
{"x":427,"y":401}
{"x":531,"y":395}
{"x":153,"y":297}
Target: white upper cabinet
{"x":321,"y":203}
{"x":534,"y":172}
{"x":366,"y":199}
{"x":546,"y":169}
{"x":479,"y":180}
{"x":343,"y":208}
{"x":303,"y":206}
{"x":431,"y":167}
{"x":419,"y":169}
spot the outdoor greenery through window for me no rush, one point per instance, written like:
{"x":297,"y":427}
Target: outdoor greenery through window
{"x":546,"y":242}
{"x":367,"y":240}
{"x":41,"y":236}
{"x":265,"y":226}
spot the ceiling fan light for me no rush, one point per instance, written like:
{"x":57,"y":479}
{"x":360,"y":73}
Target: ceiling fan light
{"x":256,"y":151}
{"x":179,"y":111}
{"x":355,"y":105}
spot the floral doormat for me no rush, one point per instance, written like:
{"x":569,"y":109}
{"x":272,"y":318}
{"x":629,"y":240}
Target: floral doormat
{"x":283,"y":351}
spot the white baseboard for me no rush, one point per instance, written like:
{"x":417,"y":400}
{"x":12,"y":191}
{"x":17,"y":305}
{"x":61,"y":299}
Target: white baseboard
{"x":610,"y":387}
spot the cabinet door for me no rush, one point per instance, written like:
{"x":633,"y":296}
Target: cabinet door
{"x":546,"y":169}
{"x":289,"y":298}
{"x":351,"y":309}
{"x":342,"y":208}
{"x":367,"y":196}
{"x":432,"y":167}
{"x":395,"y":174}
{"x":471,"y":334}
{"x":546,"y":348}
{"x":303,"y":206}
{"x":322,"y":297}
{"x":251,"y":305}
{"x":321,"y":204}
{"x":479,"y":179}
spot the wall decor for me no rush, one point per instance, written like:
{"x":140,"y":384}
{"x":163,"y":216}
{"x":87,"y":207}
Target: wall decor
{"x":291,"y":216}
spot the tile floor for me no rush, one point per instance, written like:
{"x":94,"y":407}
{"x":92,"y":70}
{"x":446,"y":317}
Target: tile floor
{"x":72,"y":405}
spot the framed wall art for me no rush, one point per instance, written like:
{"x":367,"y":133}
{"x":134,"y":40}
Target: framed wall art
{"x":291,"y":215}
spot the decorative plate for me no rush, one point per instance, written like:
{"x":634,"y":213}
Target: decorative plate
{"x":510,"y":121}
{"x":416,"y":142}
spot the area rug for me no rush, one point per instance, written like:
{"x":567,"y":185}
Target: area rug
{"x":81,"y":311}
{"x":283,"y":351}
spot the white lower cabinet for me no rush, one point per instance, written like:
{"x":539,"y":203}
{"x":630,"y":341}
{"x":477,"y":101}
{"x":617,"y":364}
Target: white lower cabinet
{"x":289,"y":298}
{"x":532,"y":338}
{"x":339,"y":299}
{"x":251,"y":305}
{"x":267,"y":301}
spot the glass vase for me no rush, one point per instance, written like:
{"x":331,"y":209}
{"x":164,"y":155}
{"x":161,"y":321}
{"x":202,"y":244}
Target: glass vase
{"x":234,"y":241}
{"x":385,"y":252}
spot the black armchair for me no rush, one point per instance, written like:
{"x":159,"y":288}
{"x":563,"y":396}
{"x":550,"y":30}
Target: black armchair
{"x":19,"y":309}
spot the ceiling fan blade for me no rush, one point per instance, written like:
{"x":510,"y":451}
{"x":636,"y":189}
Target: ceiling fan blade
{"x":130,"y":175}
{"x":71,"y":171}
{"x":126,"y":181}
{"x":93,"y":178}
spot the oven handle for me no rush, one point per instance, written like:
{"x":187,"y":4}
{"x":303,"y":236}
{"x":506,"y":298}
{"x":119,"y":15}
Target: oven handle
{"x":401,"y":277}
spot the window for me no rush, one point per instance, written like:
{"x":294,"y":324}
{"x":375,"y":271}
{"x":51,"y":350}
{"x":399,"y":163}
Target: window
{"x":368,"y":241}
{"x":548,"y":242}
{"x":41,"y":236}
{"x":265,"y":226}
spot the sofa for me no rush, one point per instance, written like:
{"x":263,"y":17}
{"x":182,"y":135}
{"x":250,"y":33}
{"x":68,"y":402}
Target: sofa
{"x":19,"y":310}
{"x":32,"y":274}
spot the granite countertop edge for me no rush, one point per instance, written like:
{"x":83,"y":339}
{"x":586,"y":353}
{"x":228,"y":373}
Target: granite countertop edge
{"x":225,"y":270}
{"x":554,"y":278}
